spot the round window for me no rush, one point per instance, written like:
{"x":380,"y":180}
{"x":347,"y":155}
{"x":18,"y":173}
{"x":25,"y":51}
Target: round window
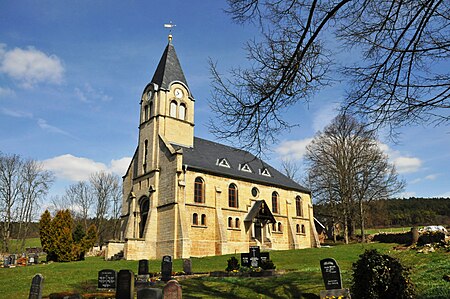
{"x":255,"y":191}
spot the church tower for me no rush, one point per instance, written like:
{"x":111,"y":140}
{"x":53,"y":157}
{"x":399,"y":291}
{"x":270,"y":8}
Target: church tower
{"x":167,"y":110}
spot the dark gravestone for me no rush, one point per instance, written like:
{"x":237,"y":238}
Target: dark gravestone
{"x":150,"y":293}
{"x":125,"y":285}
{"x":265,"y":256}
{"x":255,"y":256}
{"x":172,"y":290}
{"x":12,"y":259}
{"x":6,"y":261}
{"x":331,"y":274}
{"x":166,"y":268}
{"x":36,"y":259}
{"x":36,"y":287}
{"x":245,"y":259}
{"x":107,"y":279}
{"x":187,"y":266}
{"x":143,"y":267}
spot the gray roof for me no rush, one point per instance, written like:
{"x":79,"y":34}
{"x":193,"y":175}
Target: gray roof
{"x":169,"y":69}
{"x":260,"y":210}
{"x":206,"y":156}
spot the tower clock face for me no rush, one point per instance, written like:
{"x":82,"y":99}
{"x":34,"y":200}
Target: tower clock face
{"x":178,"y":93}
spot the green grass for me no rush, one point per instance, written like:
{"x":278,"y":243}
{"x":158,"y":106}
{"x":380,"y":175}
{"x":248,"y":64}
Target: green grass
{"x":372,"y":231}
{"x":302,"y":278}
{"x":15,"y":244}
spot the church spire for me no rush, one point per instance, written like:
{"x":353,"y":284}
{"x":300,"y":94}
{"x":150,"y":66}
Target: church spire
{"x":169,"y":69}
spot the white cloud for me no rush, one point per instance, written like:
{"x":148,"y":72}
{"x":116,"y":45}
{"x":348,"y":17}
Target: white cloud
{"x":15,"y":113}
{"x":5,"y":92}
{"x":73,"y":168}
{"x":403,"y":164}
{"x":42,"y":123}
{"x":120,"y":166}
{"x":293,"y":149}
{"x":407,"y":164}
{"x":31,"y":66}
{"x":324,"y":116}
{"x":88,"y":94}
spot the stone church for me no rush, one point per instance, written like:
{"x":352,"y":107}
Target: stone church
{"x":185,"y":196}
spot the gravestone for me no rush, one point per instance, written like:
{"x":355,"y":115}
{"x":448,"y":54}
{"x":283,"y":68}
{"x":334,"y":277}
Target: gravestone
{"x":265,"y":256}
{"x":187,"y":266}
{"x":166,"y":268}
{"x":331,"y":274}
{"x":6,"y":261}
{"x":12,"y":259}
{"x":36,"y":287}
{"x":36,"y":259}
{"x":254,"y":257}
{"x":107,"y":279}
{"x":245,"y":259}
{"x":143,"y":267}
{"x":31,"y":260}
{"x":172,"y":290}
{"x":125,"y":285}
{"x":150,"y":293}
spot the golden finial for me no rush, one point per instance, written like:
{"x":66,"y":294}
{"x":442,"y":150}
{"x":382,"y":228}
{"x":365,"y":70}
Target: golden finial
{"x":170,"y":26}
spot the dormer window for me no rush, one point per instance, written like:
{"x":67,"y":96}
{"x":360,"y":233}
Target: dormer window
{"x":265,"y":172}
{"x":245,"y":168}
{"x":223,"y":162}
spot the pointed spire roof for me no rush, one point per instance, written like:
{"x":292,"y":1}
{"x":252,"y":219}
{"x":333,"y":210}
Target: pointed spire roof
{"x":169,"y":69}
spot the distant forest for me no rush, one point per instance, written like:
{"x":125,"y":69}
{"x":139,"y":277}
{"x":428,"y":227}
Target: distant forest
{"x":399,"y":212}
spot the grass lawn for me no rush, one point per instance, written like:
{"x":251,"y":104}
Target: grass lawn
{"x":301,"y":280}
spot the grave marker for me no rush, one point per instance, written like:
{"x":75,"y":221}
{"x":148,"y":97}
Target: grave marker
{"x":254,"y":257}
{"x":187,"y":266}
{"x":166,"y":268}
{"x":107,"y":279}
{"x":143,"y":267}
{"x":36,"y":287}
{"x":331,"y":274}
{"x":172,"y":290}
{"x":150,"y":293}
{"x":125,"y":285}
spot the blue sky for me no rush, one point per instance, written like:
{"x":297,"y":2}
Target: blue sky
{"x":72,"y":72}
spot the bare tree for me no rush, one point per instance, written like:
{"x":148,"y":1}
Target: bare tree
{"x":291,"y":169}
{"x":396,"y":81}
{"x":104,"y":186}
{"x":22,"y":185}
{"x":82,"y":198}
{"x":347,"y":168}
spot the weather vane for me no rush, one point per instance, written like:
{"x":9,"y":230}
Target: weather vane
{"x":170,"y":26}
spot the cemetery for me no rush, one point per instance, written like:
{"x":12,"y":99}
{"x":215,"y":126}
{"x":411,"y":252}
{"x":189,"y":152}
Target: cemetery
{"x":309,"y":273}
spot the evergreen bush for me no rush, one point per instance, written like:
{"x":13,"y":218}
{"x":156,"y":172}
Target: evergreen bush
{"x":233,"y":264}
{"x":379,"y":276}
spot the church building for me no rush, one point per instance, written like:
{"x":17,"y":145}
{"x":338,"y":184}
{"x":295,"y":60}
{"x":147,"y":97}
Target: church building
{"x":185,"y":196}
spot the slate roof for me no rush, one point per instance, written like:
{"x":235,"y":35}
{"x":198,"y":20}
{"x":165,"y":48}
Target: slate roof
{"x":206,"y":155}
{"x":260,"y":210}
{"x":169,"y":69}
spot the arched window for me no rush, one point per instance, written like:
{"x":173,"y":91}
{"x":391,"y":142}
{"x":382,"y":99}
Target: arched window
{"x":182,"y":112}
{"x":144,"y":162}
{"x":280,"y":227}
{"x":144,"y":205}
{"x":298,"y":206}
{"x":237,"y":223}
{"x":298,"y":228}
{"x":230,"y":222}
{"x":274,"y":227}
{"x":203,"y":219}
{"x":150,"y":110}
{"x":303,"y":229}
{"x":199,"y":190}
{"x":195,"y":219}
{"x":173,"y":109}
{"x":232,"y":196}
{"x":146,"y":113}
{"x":275,"y":203}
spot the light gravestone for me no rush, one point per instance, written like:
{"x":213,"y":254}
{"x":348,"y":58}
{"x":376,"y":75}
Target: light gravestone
{"x":36,"y":287}
{"x":125,"y":285}
{"x":187,"y":266}
{"x":166,"y":268}
{"x":107,"y":279}
{"x":172,"y":290}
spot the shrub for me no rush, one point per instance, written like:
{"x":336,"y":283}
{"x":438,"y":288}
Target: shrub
{"x":378,"y":275}
{"x":233,"y":264}
{"x":267,"y":265}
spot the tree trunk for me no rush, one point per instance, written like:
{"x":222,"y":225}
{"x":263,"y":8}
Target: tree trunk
{"x":361,"y":215}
